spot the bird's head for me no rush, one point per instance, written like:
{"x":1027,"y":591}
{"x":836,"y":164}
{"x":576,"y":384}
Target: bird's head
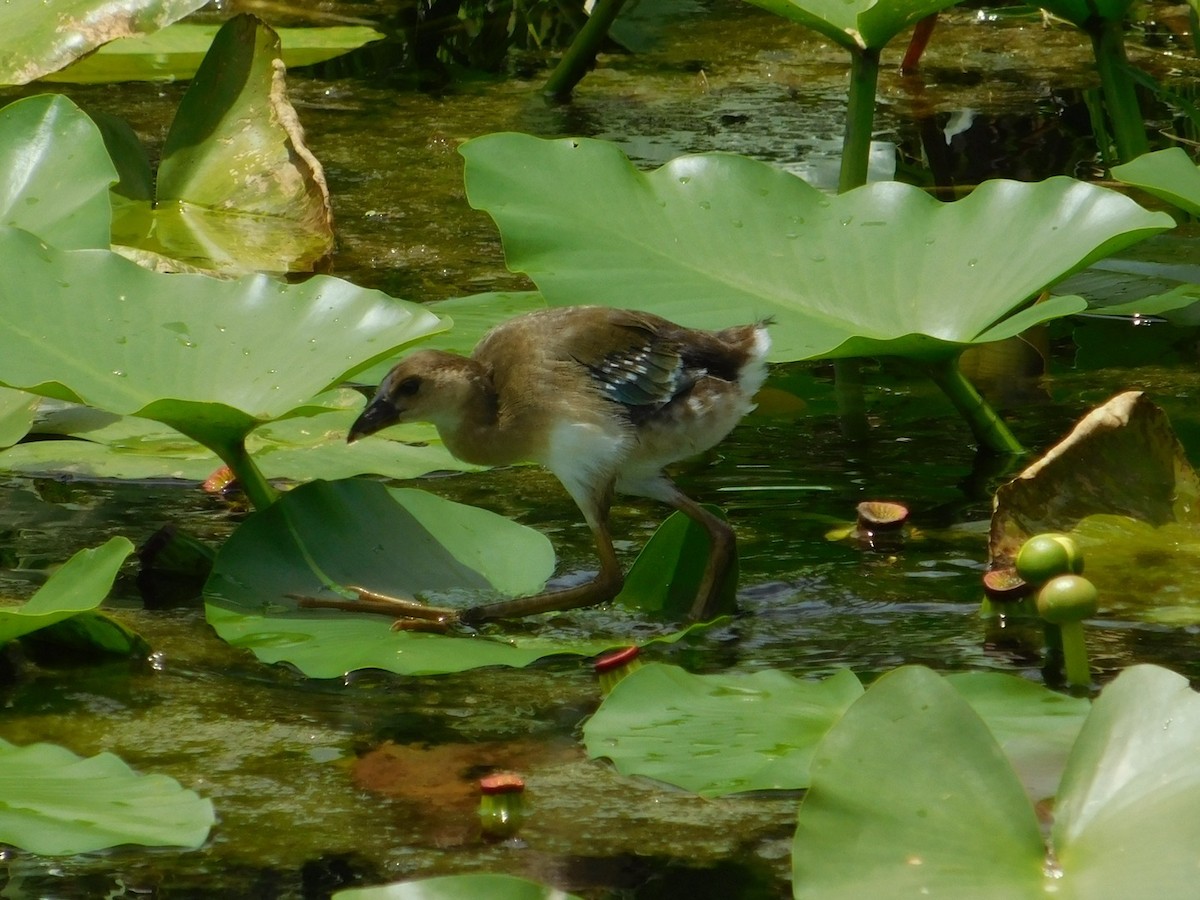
{"x":426,"y":386}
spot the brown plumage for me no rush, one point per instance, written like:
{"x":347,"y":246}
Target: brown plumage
{"x":604,"y":399}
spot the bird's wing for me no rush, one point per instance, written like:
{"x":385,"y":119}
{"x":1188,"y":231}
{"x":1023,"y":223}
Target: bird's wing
{"x":635,"y":364}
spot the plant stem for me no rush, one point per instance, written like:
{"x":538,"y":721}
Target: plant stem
{"x":581,"y":55}
{"x":856,"y":159}
{"x":917,"y":44}
{"x":249,"y":476}
{"x":1120,"y":97}
{"x":1074,"y":651}
{"x":987,"y":426}
{"x":851,"y":407}
{"x":860,"y":118}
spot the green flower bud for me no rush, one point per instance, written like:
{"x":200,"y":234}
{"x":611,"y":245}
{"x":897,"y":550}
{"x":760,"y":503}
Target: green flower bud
{"x":1067,"y":598}
{"x":1044,"y":556}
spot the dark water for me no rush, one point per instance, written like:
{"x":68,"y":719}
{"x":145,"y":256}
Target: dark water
{"x":285,"y":759}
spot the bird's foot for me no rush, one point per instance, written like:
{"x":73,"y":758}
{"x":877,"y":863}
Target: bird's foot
{"x":409,"y":613}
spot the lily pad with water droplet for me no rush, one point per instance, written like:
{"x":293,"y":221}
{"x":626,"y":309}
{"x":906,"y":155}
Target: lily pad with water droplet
{"x":210,"y":358}
{"x":715,"y":239}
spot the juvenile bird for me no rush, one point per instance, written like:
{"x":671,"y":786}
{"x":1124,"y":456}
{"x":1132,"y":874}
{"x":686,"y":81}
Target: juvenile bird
{"x":603,"y":398}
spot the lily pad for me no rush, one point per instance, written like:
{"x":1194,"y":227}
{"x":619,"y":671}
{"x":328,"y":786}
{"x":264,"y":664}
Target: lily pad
{"x":857,"y":24}
{"x":290,"y":450}
{"x":1168,"y":174}
{"x":1121,"y":458}
{"x":1035,"y":727}
{"x":195,"y":353}
{"x":725,"y":733}
{"x":717,"y":734}
{"x":58,"y":173}
{"x":327,"y":535}
{"x":55,"y":803}
{"x":41,"y":38}
{"x":456,"y":887}
{"x":1126,"y":822}
{"x":911,"y":796}
{"x":17,"y":410}
{"x":666,"y":575}
{"x":175,"y":53}
{"x":80,"y":584}
{"x":237,"y":189}
{"x":713,"y":239}
{"x":296,"y":449}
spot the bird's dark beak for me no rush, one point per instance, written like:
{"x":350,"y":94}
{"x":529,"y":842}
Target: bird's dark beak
{"x":379,"y":414}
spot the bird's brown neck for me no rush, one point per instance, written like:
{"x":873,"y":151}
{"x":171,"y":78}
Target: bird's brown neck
{"x":473,"y":429}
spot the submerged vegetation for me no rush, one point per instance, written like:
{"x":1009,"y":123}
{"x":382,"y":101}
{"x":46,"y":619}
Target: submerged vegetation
{"x":148,"y":332}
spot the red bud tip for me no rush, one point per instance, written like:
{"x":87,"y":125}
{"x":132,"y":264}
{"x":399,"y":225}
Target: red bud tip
{"x":615,"y":659}
{"x":502,"y":783}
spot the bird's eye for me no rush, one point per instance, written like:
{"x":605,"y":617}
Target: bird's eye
{"x":408,"y":387}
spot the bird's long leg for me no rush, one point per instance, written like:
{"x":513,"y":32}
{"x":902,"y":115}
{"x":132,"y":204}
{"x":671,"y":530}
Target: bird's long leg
{"x":720,"y":554}
{"x":606,"y":585}
{"x":410,"y":614}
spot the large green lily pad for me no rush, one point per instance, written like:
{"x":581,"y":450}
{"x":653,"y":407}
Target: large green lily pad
{"x":210,"y":358}
{"x":328,"y":535}
{"x":55,"y":803}
{"x":39,"y":38}
{"x":717,"y":734}
{"x":946,"y":818}
{"x":912,"y":797}
{"x":1034,"y":726}
{"x":714,"y":239}
{"x":724,"y":733}
{"x":856,"y":24}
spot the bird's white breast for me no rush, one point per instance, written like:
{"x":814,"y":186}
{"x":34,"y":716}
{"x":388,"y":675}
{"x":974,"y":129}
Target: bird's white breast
{"x":586,"y":455}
